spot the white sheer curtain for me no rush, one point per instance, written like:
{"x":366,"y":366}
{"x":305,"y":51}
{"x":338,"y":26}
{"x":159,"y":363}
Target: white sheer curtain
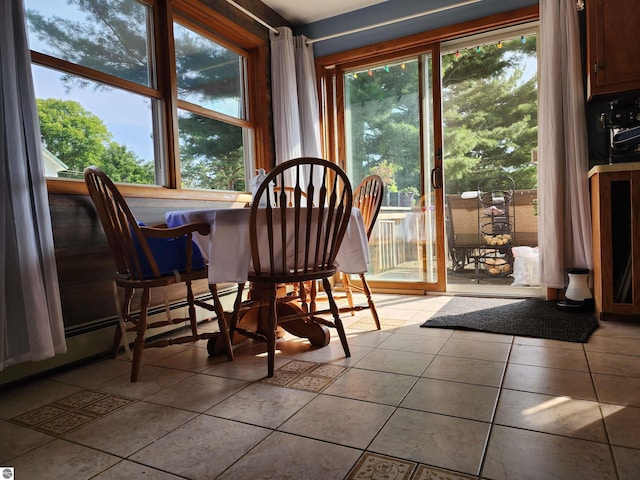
{"x":296,"y":113}
{"x":31,"y":327}
{"x":309,"y":107}
{"x":563,"y":190}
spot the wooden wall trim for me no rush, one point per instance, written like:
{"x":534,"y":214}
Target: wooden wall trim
{"x":78,"y":187}
{"x":202,"y":11}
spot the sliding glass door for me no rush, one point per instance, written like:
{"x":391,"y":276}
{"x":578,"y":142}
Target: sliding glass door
{"x":490,"y":128}
{"x":391,"y":128}
{"x":451,"y":115}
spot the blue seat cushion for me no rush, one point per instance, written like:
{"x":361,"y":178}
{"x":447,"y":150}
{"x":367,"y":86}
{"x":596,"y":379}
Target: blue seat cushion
{"x":170,"y":255}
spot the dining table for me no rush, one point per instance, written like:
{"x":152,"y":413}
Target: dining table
{"x":227,"y":250}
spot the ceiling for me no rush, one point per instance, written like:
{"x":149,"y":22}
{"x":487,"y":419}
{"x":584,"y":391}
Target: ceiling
{"x":309,"y":11}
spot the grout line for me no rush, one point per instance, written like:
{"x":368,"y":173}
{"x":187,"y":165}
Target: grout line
{"x":602,"y":416}
{"x":364,"y":451}
{"x":485,"y":448}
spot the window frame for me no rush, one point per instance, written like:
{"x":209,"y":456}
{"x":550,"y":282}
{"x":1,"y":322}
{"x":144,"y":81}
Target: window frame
{"x":186,"y":106}
{"x":214,"y":25}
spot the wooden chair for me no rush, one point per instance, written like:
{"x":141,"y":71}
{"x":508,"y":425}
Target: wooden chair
{"x":289,"y":192}
{"x":302,"y":290}
{"x":368,"y":198}
{"x":294,"y":240}
{"x":146,"y":258}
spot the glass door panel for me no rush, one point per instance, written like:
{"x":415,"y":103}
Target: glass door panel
{"x":389,"y":131}
{"x":431,"y":176}
{"x":489,"y":108}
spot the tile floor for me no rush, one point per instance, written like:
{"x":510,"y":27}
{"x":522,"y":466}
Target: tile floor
{"x":411,"y":403}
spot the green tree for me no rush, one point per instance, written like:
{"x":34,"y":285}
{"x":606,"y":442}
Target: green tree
{"x":384,"y":111}
{"x":110,"y":38}
{"x":211,"y":151}
{"x":211,"y":154}
{"x":122,"y":165}
{"x":490,"y":117}
{"x":74,"y":135}
{"x":79,"y":139}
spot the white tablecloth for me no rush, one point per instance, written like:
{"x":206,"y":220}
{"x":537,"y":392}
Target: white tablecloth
{"x":228,"y":251}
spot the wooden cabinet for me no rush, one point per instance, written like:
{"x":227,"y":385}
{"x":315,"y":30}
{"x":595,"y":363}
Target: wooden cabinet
{"x":615,"y":213}
{"x":613,"y":46}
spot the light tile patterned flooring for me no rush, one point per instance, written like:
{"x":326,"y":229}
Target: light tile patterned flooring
{"x":410,"y":404}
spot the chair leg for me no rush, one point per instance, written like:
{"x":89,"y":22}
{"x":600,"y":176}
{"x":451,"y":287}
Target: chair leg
{"x":117,"y":340}
{"x":192,"y":310}
{"x":301,"y":291}
{"x":222,"y":322}
{"x":372,"y":307}
{"x":235,"y":318}
{"x":141,"y":328}
{"x":336,"y":317}
{"x":125,"y":308}
{"x":313,"y":293}
{"x":347,"y":289}
{"x":272,"y":322}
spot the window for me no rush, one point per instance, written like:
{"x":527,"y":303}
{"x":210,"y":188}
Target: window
{"x":490,"y":108}
{"x":388,"y":123}
{"x":212,"y":112}
{"x":105,"y":98}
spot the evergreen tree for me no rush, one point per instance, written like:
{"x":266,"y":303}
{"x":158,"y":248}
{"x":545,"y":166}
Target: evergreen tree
{"x":490,"y":118}
{"x":111,"y":38}
{"x":211,"y":154}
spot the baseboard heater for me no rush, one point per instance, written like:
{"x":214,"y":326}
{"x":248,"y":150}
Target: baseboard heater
{"x":113,"y":321}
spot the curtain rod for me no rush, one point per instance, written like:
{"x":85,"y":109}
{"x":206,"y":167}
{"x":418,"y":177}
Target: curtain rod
{"x":392,"y":21}
{"x":356,"y":30}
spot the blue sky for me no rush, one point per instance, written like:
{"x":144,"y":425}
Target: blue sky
{"x":127,"y":116}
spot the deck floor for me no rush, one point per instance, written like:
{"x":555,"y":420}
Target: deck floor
{"x":462,"y":281}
